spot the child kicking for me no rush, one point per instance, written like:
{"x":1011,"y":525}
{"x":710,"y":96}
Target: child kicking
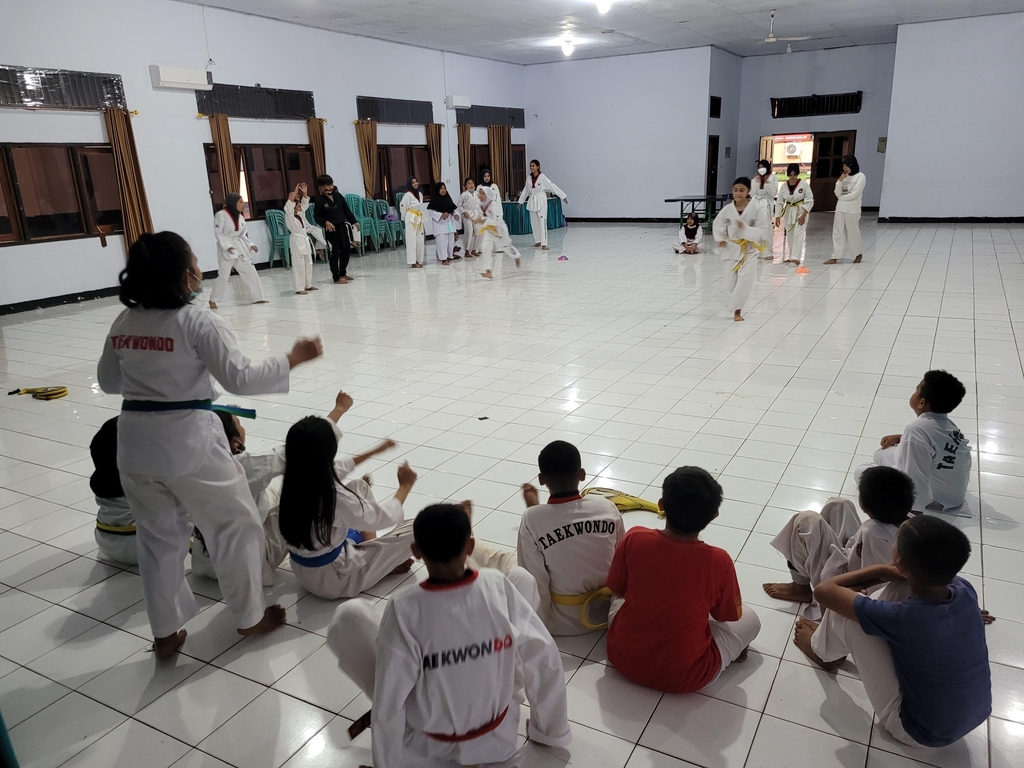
{"x":667,"y":585}
{"x":115,"y":523}
{"x":818,"y":547}
{"x":330,"y":526}
{"x":440,"y":665}
{"x":923,"y":660}
{"x":932,"y":449}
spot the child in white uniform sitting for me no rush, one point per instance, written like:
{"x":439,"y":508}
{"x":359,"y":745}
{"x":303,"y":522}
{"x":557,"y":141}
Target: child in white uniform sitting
{"x":818,"y":547}
{"x":330,"y":525}
{"x":115,"y":523}
{"x":441,"y":664}
{"x":932,"y":449}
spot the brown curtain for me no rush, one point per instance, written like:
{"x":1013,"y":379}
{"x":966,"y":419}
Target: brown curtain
{"x":366,"y":137}
{"x":315,"y":128}
{"x":226,"y":167}
{"x":434,"y":146}
{"x":465,"y":153}
{"x":499,"y":140}
{"x":134,"y":205}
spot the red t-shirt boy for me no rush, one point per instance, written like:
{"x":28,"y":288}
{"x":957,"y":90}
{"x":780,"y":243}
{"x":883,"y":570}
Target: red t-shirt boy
{"x":680,"y":620}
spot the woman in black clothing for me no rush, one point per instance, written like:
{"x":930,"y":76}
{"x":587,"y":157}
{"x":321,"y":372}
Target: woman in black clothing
{"x":332,"y":212}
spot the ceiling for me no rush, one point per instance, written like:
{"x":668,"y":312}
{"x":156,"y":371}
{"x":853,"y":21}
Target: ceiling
{"x":532,"y":31}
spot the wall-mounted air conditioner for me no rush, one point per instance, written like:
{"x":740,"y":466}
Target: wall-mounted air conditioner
{"x":458,"y":102}
{"x":180,"y":79}
{"x":792,"y":150}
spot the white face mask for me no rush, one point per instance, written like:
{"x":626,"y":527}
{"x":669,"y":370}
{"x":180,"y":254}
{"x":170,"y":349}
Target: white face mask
{"x":762,"y":171}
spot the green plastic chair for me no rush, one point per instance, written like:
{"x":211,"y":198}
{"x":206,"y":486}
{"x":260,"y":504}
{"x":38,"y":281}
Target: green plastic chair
{"x":278,"y":237}
{"x":395,"y":229}
{"x":311,"y":220}
{"x":372,"y":212}
{"x":367,"y":226}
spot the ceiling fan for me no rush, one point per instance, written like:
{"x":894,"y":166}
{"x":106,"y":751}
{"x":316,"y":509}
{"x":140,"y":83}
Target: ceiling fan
{"x":773,"y":39}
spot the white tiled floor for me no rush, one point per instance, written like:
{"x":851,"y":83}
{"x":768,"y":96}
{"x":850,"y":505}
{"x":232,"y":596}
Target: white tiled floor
{"x":625,"y":349}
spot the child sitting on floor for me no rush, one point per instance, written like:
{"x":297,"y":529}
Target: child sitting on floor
{"x":115,"y":523}
{"x":923,"y":660}
{"x":818,"y":547}
{"x":329,"y":525}
{"x":690,"y":235}
{"x":932,"y":449}
{"x":440,"y":665}
{"x":667,"y":585}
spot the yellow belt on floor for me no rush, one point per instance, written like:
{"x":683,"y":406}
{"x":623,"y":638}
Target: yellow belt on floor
{"x":584,"y":601}
{"x":744,"y":244}
{"x":41,"y":393}
{"x":623,"y":501}
{"x":119,"y":530}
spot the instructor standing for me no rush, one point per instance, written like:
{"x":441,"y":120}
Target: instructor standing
{"x":332,"y":213}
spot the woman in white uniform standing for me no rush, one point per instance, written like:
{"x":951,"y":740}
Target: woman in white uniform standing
{"x":469,"y":207}
{"x":495,"y":193}
{"x":741,"y":231}
{"x":412,"y":209}
{"x":763,"y":190}
{"x":445,"y":218}
{"x":537,"y":187}
{"x":162,"y":355}
{"x":234,"y":249}
{"x":791,"y":208}
{"x":846,"y":225}
{"x":298,"y":240}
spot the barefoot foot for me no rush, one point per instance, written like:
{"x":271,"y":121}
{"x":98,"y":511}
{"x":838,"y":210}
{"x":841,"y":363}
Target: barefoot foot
{"x":743,"y":655}
{"x":793,"y":592}
{"x":544,"y":248}
{"x":487,"y":274}
{"x":213,"y":305}
{"x":312,"y":289}
{"x":518,"y":263}
{"x":802,"y":640}
{"x":165,"y":647}
{"x":858,"y":259}
{"x":831,"y":261}
{"x":402,"y":568}
{"x":736,"y":316}
{"x":261,"y":301}
{"x":301,"y":293}
{"x":273,"y":618}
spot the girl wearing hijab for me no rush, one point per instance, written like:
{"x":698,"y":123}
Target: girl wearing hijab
{"x":444,"y":214}
{"x":846,"y":225}
{"x":764,"y":190}
{"x":690,"y":235}
{"x":234,"y":249}
{"x":492,"y":232}
{"x":537,"y":187}
{"x":794,"y":203}
{"x":412,"y":208}
{"x":485,"y":181}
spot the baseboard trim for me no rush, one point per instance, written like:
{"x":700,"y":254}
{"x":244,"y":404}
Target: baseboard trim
{"x":869,"y":208}
{"x":613,"y":220}
{"x":57,"y":301}
{"x":951,"y":219}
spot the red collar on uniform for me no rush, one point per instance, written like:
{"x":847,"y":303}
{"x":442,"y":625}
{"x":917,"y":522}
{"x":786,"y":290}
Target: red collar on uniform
{"x":433,"y":586}
{"x":564,"y":498}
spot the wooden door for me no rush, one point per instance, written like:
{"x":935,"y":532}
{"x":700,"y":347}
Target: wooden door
{"x":767,"y":150}
{"x":827,"y":165}
{"x":711,"y":181}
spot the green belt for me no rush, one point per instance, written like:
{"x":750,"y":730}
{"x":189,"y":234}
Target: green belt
{"x":153,"y":406}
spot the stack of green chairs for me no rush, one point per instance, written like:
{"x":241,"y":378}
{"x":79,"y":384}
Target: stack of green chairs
{"x":395,"y":229}
{"x":312,"y":221}
{"x":373,"y":212}
{"x":367,"y":225}
{"x":279,"y":237}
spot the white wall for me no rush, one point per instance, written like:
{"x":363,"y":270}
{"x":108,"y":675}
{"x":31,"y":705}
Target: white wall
{"x":725,"y":81}
{"x":957,"y":112}
{"x":70,"y":34}
{"x":619,"y":135}
{"x":866,"y":68}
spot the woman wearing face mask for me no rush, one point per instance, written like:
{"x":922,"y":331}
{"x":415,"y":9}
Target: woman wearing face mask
{"x":163,"y":356}
{"x":537,"y":187}
{"x":332,"y":213}
{"x":794,"y":203}
{"x":412,"y":210}
{"x":763,"y":190}
{"x":846,"y":225}
{"x":234,"y":251}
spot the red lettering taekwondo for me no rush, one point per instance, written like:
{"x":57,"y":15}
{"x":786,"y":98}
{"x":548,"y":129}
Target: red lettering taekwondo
{"x":148,"y":343}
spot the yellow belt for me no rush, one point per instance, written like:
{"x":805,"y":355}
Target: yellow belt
{"x":583,"y":601}
{"x":119,"y":530}
{"x":418,"y":223}
{"x":744,"y":244}
{"x":489,"y":228}
{"x":41,"y":393}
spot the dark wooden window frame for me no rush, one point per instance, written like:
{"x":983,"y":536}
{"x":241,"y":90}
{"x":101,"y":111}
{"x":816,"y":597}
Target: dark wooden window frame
{"x":13,"y":194}
{"x":383,"y":171}
{"x":243,"y":153}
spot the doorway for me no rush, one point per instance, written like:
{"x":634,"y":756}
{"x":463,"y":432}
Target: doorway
{"x":827,"y":165}
{"x":711,"y":182}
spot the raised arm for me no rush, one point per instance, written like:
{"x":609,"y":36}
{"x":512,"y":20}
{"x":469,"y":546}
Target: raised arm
{"x":554,"y":188}
{"x":839,"y":593}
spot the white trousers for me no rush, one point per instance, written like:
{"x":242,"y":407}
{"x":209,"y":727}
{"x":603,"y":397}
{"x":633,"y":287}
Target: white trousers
{"x":244,"y":266}
{"x":491,"y":245}
{"x":794,"y":242}
{"x":806,"y":540}
{"x":837,"y":637}
{"x":215,"y":496}
{"x":444,"y":245}
{"x":117,"y":547}
{"x":741,"y":283}
{"x":539,"y":223}
{"x":359,"y":567}
{"x":846,"y":234}
{"x":302,"y":262}
{"x":469,"y":238}
{"x":507,"y":562}
{"x":415,"y":244}
{"x":883,"y":457}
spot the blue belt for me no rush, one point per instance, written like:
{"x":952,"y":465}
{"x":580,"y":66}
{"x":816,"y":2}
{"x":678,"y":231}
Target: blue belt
{"x":328,"y":557}
{"x":152,"y":406}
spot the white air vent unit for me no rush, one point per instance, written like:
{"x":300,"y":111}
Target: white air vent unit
{"x":458,"y":102}
{"x":179,"y":79}
{"x":792,"y":150}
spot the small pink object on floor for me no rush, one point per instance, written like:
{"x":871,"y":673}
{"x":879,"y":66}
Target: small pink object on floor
{"x":563,"y":257}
